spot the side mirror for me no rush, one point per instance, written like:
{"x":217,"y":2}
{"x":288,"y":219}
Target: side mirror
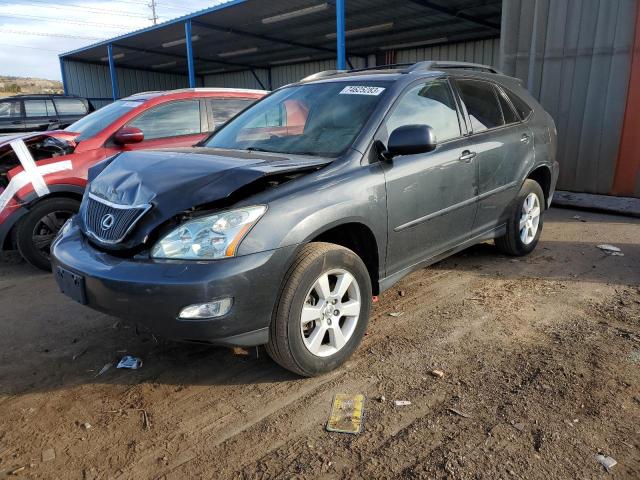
{"x":409,"y":140}
{"x":127,"y":135}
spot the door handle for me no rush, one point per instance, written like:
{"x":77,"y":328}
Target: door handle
{"x":467,"y":156}
{"x":524,"y":138}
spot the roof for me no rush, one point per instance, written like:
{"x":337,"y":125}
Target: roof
{"x":244,"y":34}
{"x":162,"y":93}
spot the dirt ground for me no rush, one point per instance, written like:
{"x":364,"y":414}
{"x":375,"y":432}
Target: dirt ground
{"x":541,"y":360}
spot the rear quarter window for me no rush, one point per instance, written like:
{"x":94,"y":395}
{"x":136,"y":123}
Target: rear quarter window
{"x":522,"y":107}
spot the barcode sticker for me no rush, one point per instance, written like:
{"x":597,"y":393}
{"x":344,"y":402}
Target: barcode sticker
{"x":361,"y":90}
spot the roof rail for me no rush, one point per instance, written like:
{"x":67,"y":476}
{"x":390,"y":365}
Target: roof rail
{"x":325,"y":73}
{"x":440,"y":65}
{"x":408,"y":68}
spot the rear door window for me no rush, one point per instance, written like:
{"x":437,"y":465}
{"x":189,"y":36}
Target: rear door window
{"x":225,"y":108}
{"x":10,"y":109}
{"x":39,"y":108}
{"x":482,"y":104}
{"x":70,"y":106}
{"x":170,"y":120}
{"x":430,"y":104}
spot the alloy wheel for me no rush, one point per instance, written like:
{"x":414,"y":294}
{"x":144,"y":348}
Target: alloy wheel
{"x":330,"y":312}
{"x":529,"y":218}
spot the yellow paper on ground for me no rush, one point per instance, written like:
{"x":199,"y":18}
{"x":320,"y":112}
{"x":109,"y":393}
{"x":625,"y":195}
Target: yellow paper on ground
{"x":346,"y":413}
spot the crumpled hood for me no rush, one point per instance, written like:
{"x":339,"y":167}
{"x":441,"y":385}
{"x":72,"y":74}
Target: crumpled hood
{"x":174,"y":181}
{"x":61,"y":134}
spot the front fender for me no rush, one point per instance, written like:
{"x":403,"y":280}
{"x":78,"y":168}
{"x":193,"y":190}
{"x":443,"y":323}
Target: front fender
{"x":356,"y":195}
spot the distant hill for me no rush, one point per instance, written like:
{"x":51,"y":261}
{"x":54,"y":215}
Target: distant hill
{"x":14,"y":85}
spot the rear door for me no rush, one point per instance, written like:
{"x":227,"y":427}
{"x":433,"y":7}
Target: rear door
{"x":502,"y":144}
{"x":430,"y":196}
{"x":11,"y":119}
{"x":172,"y":124}
{"x":70,"y":109}
{"x":40,"y":114}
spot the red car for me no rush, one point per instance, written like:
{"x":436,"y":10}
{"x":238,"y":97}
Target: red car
{"x":43,"y":175}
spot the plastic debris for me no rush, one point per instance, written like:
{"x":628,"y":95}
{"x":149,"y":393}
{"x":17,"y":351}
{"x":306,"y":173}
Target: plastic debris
{"x":48,"y":455}
{"x":146,"y":424}
{"x":401,"y":403}
{"x":437,"y":373}
{"x":104,"y":369}
{"x":382,"y":399}
{"x":611,"y":250}
{"x":86,"y":426}
{"x":458,"y":412}
{"x":129,"y":362}
{"x":607,"y":462}
{"x":79,"y":354}
{"x":17,"y":470}
{"x":346,"y":414}
{"x":396,"y":314}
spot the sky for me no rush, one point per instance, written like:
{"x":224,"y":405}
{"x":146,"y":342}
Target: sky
{"x":34,"y":32}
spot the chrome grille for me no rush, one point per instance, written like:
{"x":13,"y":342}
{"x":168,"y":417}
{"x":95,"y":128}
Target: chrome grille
{"x":109,"y":222}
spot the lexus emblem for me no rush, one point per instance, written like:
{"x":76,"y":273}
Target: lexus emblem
{"x":107,"y":221}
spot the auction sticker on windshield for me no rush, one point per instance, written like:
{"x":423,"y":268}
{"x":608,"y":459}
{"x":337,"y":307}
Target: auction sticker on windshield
{"x":361,"y":90}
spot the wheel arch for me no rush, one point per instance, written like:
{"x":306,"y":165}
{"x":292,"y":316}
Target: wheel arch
{"x":359,"y":238}
{"x":542,"y":175}
{"x":55,"y":191}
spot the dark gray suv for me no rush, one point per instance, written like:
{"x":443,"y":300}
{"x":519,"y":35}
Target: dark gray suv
{"x":280,"y":227}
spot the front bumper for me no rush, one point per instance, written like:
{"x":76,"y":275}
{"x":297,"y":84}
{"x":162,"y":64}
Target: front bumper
{"x":152,"y":292}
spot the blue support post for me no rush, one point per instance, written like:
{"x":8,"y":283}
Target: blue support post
{"x":192,"y":72}
{"x":112,"y":72}
{"x":63,"y":73}
{"x":340,"y":40}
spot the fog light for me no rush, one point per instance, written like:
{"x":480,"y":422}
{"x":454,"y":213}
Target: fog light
{"x":201,"y":311}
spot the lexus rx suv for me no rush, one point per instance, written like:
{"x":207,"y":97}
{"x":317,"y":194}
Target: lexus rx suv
{"x":280,"y":227}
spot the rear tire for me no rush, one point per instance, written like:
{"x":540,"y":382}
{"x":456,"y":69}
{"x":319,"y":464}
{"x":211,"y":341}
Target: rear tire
{"x":322,"y":312}
{"x":39,"y":227}
{"x":525,"y":222}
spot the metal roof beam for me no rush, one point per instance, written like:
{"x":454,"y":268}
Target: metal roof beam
{"x":258,"y":36}
{"x":456,"y":13}
{"x":184,"y":57}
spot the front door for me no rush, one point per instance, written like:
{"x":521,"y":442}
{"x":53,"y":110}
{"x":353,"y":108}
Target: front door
{"x":40,"y":115}
{"x":431,"y":197}
{"x":173,"y":124}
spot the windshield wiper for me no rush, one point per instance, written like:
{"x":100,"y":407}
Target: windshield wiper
{"x":258,"y":149}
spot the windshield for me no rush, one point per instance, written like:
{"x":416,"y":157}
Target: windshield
{"x":95,"y":122}
{"x":317,"y":119}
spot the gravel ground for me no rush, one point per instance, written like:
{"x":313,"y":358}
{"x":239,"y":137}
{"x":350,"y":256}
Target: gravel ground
{"x":541,"y":362}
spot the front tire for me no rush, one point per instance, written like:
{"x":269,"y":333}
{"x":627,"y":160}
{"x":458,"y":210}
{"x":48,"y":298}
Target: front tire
{"x":323,"y":310}
{"x":39,"y":228}
{"x":525,"y":222}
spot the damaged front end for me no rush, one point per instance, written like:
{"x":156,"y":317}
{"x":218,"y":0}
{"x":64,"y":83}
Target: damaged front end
{"x":40,"y":146}
{"x":142,"y":197}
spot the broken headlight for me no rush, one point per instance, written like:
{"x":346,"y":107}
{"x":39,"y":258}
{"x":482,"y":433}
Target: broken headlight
{"x":209,"y":237}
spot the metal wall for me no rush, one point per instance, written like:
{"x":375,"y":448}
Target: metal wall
{"x":480,"y":51}
{"x":280,"y":74}
{"x":575,"y":56}
{"x":93,"y":81}
{"x":486,"y":52}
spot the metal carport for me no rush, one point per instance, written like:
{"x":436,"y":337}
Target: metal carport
{"x":575,"y":56}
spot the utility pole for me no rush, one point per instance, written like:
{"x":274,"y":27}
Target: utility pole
{"x":154,"y":15}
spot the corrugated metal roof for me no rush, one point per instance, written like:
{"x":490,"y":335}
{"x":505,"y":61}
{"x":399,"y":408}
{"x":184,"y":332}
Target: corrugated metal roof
{"x":243,"y":34}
